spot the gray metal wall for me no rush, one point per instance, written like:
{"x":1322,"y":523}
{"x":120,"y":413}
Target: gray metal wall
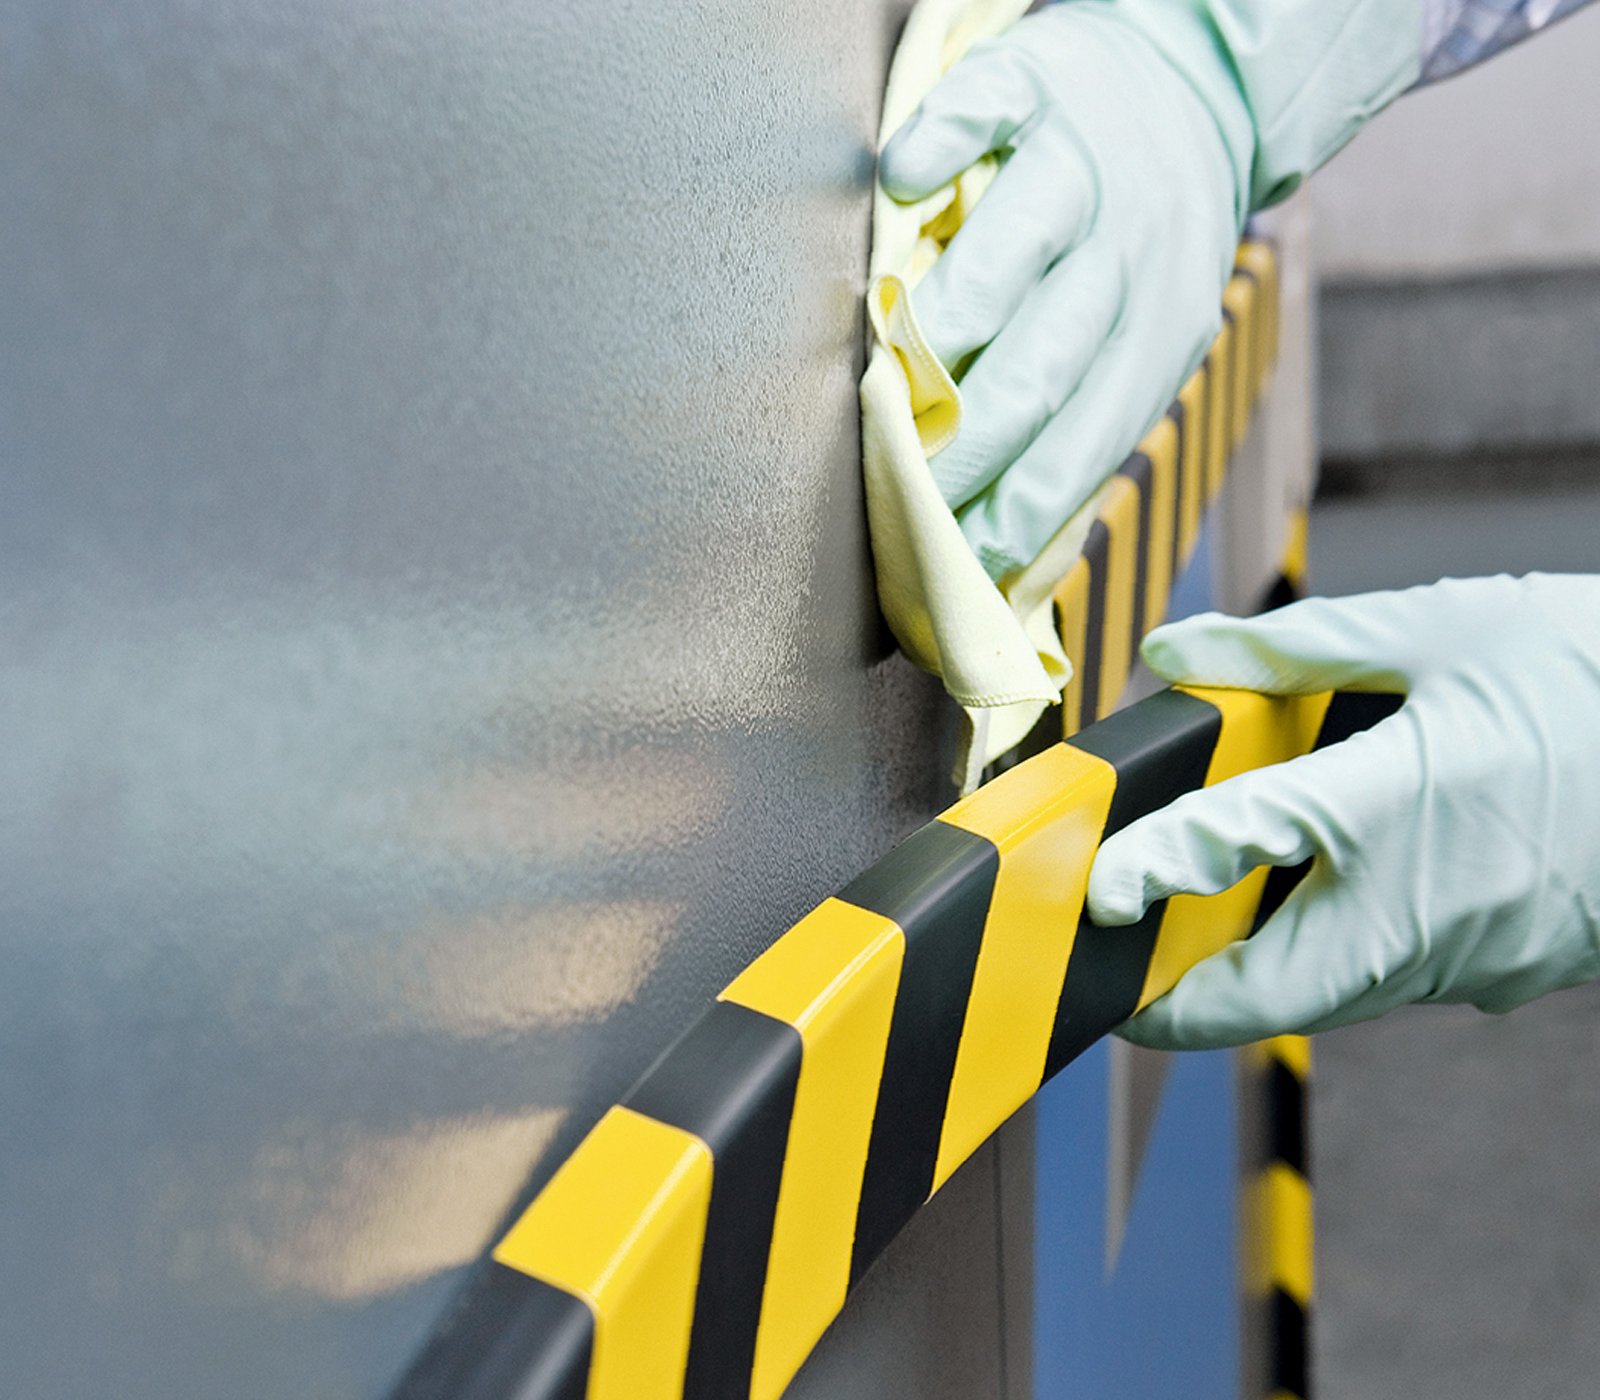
{"x":438,"y":645}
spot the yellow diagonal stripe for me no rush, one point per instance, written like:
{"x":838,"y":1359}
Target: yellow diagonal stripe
{"x":1293,"y":1050}
{"x":1194,"y":396}
{"x":1045,"y":816}
{"x":1240,"y":298}
{"x":1295,"y":548}
{"x":1161,"y":447}
{"x":1260,"y":259}
{"x":833,"y":977}
{"x":1280,"y":1210}
{"x":1218,"y":404}
{"x":622,"y":1225}
{"x":1120,"y":512}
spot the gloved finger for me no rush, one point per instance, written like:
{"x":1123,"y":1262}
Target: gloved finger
{"x":1038,"y":208}
{"x":1207,"y":841}
{"x":1116,"y":400}
{"x":1020,"y":382}
{"x":981,"y":105}
{"x":1311,"y":967}
{"x":1369,"y":642}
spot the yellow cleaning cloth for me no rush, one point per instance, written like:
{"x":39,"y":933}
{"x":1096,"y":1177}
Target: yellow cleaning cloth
{"x":995,"y":647}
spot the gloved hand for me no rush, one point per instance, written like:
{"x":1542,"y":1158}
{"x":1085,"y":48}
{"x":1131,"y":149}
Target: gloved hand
{"x":1136,"y":135}
{"x":1456,"y":843}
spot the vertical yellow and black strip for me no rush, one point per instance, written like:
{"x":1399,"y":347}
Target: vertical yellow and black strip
{"x":1277,"y":1249}
{"x":1277,"y":1244}
{"x":1278,"y":1219}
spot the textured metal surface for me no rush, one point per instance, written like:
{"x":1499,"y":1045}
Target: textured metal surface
{"x":1496,"y":363}
{"x":437,"y":635}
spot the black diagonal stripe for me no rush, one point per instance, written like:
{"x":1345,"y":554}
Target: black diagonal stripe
{"x":1288,"y":1343}
{"x":1349,"y":712}
{"x":936,"y":886}
{"x":1180,"y":471}
{"x":1139,"y":471}
{"x":1280,"y":595}
{"x":1281,"y":883}
{"x":1286,"y":1117}
{"x":507,"y":1337}
{"x":1044,"y":735}
{"x":1161,"y":749}
{"x":730,"y":1080}
{"x":1097,"y":554}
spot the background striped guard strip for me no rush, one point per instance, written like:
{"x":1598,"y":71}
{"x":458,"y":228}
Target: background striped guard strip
{"x":1277,"y":1243}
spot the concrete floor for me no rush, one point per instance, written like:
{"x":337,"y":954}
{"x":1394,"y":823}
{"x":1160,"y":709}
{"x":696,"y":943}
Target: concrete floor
{"x":1457,"y":1155}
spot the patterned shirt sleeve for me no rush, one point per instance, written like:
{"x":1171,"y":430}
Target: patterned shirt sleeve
{"x":1459,"y":33}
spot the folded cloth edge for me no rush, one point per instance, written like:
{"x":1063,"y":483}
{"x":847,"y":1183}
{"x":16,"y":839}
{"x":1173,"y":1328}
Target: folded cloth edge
{"x":993,"y":648}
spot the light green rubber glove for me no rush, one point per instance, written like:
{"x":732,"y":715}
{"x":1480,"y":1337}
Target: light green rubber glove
{"x":1456,"y":843}
{"x":1137,"y":135}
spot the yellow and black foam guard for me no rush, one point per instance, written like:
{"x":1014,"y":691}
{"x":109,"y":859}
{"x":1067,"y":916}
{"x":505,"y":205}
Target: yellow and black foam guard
{"x":700,"y":1239}
{"x":1276,"y":1220}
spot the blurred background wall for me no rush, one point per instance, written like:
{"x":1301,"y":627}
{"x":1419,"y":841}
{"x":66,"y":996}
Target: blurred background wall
{"x":1456,"y":1154}
{"x":1458,"y":239}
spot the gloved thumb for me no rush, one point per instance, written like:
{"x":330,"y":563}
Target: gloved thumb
{"x":980,"y":107}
